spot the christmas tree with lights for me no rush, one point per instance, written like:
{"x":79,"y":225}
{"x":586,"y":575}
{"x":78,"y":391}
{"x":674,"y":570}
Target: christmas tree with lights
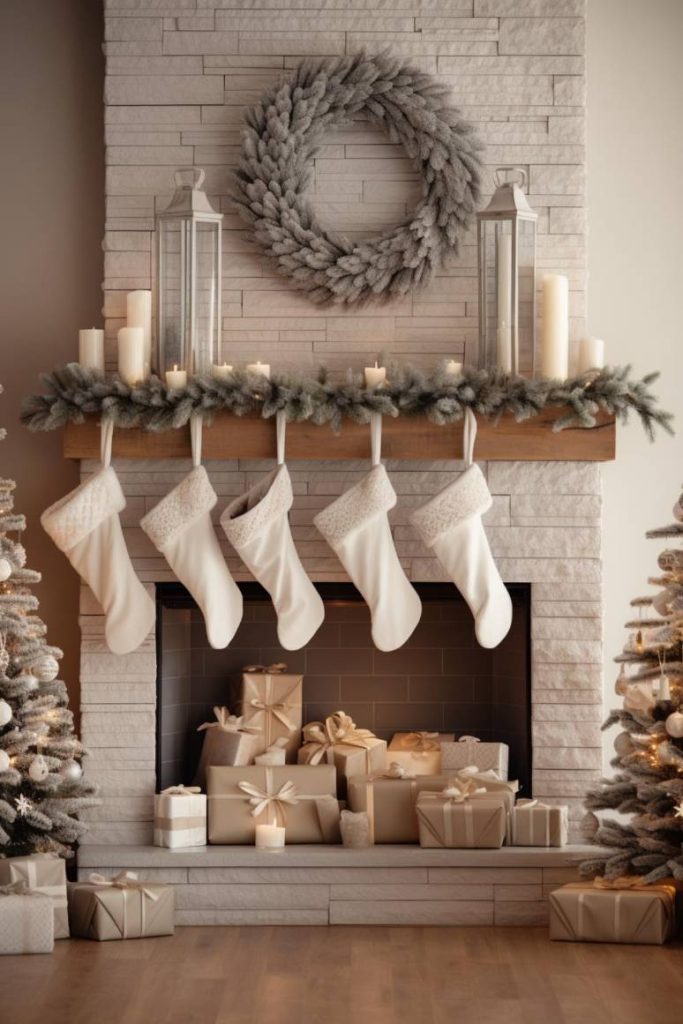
{"x":647,"y":789}
{"x":42,"y":789}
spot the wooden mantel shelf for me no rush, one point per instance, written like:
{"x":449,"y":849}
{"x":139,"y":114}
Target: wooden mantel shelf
{"x":251,"y":437}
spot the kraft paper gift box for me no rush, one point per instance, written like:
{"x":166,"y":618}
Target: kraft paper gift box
{"x":300,"y":797}
{"x":621,"y":911}
{"x":533,"y":823}
{"x":180,"y":817}
{"x":227,"y":741}
{"x":27,"y":921}
{"x":340,"y":742}
{"x":44,"y":873}
{"x":120,"y":908}
{"x":272,"y":703}
{"x":469,"y":750}
{"x":461,"y":817}
{"x":420,"y":752}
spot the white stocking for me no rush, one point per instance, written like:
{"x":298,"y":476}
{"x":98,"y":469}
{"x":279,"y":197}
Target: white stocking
{"x":180,"y":527}
{"x":357,"y":528}
{"x":85,"y":525}
{"x":450,"y":524}
{"x":257,"y":526}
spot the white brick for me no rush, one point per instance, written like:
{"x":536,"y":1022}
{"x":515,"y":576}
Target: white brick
{"x":567,"y":129}
{"x":390,"y":892}
{"x":155,"y":66}
{"x":129,"y":30}
{"x":570,"y":91}
{"x":566,"y":734}
{"x":235,"y":918}
{"x":156,"y":116}
{"x":552,"y":478}
{"x":483,"y":64}
{"x":414,"y":912}
{"x":542,"y":36}
{"x":163,"y":89}
{"x":309,"y":875}
{"x":568,"y":757}
{"x":567,"y":713}
{"x":252,"y":897}
{"x":200,"y":42}
{"x":566,"y":628}
{"x":321,"y":20}
{"x":297,"y":43}
{"x":529,"y":8}
{"x":563,"y":651}
{"x":558,"y":180}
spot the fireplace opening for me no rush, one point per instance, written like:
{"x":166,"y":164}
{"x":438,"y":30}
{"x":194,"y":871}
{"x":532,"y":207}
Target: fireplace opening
{"x":440,"y":680}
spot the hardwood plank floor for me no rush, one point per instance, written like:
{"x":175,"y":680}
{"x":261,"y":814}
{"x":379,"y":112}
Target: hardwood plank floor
{"x":343,"y":975}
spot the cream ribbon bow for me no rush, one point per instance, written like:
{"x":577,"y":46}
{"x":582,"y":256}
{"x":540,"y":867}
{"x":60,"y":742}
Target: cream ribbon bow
{"x":471,"y":770}
{"x":278,"y":709}
{"x":18,"y":888}
{"x":227,"y":722}
{"x":181,"y":790}
{"x":269,"y":670}
{"x":423,"y":742}
{"x":459,"y":790}
{"x":397,"y":771}
{"x":625,"y":882}
{"x":261,"y":799}
{"x":469,"y":739}
{"x":124,"y":880}
{"x":337,"y":728}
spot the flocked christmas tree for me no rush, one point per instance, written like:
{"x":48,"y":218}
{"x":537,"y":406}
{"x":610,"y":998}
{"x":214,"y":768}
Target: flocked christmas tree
{"x":41,"y":785}
{"x":648,"y":785}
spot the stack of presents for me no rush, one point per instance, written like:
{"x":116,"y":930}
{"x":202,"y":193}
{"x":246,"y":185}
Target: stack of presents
{"x":270,"y":780}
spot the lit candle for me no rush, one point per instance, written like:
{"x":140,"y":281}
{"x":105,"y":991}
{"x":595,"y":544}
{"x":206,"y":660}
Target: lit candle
{"x":222,"y":371}
{"x":555,"y":342}
{"x":91,"y":349}
{"x":375,"y":376}
{"x":132,"y":355}
{"x":453,"y":368}
{"x":591,"y":354}
{"x":139,"y":314}
{"x":270,"y":837}
{"x":259,"y":367}
{"x":504,"y":303}
{"x":176,"y":378}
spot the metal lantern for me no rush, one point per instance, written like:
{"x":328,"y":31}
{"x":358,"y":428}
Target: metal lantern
{"x":189,"y":278}
{"x":506,"y":245}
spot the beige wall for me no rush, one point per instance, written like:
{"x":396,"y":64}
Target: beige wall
{"x":635,"y":170}
{"x":52,"y":224}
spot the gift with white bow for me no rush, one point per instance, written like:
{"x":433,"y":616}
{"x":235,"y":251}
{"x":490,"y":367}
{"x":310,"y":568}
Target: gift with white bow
{"x":43,"y":873}
{"x":618,"y":910}
{"x":180,"y":817}
{"x":227,"y":740}
{"x":300,"y":798}
{"x":463,"y":815}
{"x":420,"y":751}
{"x":533,"y":823}
{"x":388,"y":797}
{"x":272,"y":703}
{"x":26,"y":920}
{"x":339,"y":741}
{"x":470,"y":750}
{"x":120,"y":907}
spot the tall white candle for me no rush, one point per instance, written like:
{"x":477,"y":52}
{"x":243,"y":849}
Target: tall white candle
{"x":139,"y":314}
{"x":176,"y":378}
{"x":259,"y":367}
{"x":591,"y":354}
{"x":91,"y":349}
{"x":132,"y":355}
{"x":555,"y":338}
{"x":453,"y":368}
{"x":270,"y":837}
{"x":375,"y":375}
{"x":504,"y":303}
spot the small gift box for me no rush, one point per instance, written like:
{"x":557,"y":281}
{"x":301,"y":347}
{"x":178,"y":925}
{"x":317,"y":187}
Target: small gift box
{"x":271,"y":703}
{"x":120,"y":908}
{"x":44,"y":873}
{"x":276,"y":753}
{"x":228,"y":740}
{"x":461,"y":816}
{"x":300,"y":798}
{"x":471,"y":751}
{"x":623,"y":910}
{"x":419,"y":751}
{"x":180,"y":817}
{"x":340,"y":742}
{"x":27,"y":920}
{"x":533,"y":823}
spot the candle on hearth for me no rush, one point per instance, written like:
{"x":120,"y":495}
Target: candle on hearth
{"x":222,"y":370}
{"x":139,"y":314}
{"x":132,"y":355}
{"x":453,"y":368}
{"x":259,"y":367}
{"x":504,"y":303}
{"x":591,"y":355}
{"x":375,"y":375}
{"x":91,"y":349}
{"x":176,"y":378}
{"x":555,"y":339}
{"x":270,"y":837}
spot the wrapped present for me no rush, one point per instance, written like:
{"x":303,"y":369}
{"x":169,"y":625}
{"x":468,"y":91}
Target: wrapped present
{"x":120,"y":908}
{"x":461,"y":816}
{"x":271,"y":702}
{"x":27,"y":920}
{"x":276,"y":753}
{"x":44,"y":873}
{"x":469,"y":750}
{"x":228,"y":740}
{"x":299,"y":797}
{"x":180,"y":817}
{"x":420,"y":752}
{"x":623,"y":910}
{"x":533,"y":823}
{"x":340,"y":742}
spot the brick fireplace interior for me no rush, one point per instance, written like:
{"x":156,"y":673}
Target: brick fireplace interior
{"x":441,"y":680}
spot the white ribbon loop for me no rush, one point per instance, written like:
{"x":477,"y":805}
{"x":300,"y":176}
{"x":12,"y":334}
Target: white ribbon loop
{"x":227,"y":722}
{"x":397,"y":771}
{"x":181,"y":790}
{"x":469,"y":434}
{"x":376,"y":437}
{"x":124,"y":880}
{"x":196,"y":425}
{"x":106,"y":438}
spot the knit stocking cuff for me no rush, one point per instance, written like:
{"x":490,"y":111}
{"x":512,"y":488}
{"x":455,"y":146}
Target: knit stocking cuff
{"x":249,"y":514}
{"x":77,"y":514}
{"x":193,"y":497}
{"x":467,"y":496}
{"x":371,"y":496}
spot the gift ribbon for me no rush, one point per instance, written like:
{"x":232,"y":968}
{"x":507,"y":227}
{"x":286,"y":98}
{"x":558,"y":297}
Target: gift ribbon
{"x":270,"y":670}
{"x":226,"y":722}
{"x":273,"y":709}
{"x":339,"y":728}
{"x":523,"y":815}
{"x":420,"y":742}
{"x":179,"y":824}
{"x":620,"y":887}
{"x":29,"y":870}
{"x":181,"y":790}
{"x":129,"y":884}
{"x":397,"y":771}
{"x":262,"y":799}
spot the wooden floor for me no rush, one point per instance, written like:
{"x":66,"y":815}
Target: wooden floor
{"x":349,"y":975}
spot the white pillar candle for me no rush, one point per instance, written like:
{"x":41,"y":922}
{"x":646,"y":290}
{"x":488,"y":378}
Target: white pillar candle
{"x":132,"y":355}
{"x":139,"y":314}
{"x":176,"y":378}
{"x":453,"y":368}
{"x":91,"y":349}
{"x":504,"y":304}
{"x":259,"y":367}
{"x":375,"y":375}
{"x":591,"y":354}
{"x":270,"y":837}
{"x":555,"y":339}
{"x":222,"y":371}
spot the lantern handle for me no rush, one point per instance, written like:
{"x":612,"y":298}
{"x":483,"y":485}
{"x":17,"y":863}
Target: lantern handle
{"x":505,"y":180}
{"x":189,"y":177}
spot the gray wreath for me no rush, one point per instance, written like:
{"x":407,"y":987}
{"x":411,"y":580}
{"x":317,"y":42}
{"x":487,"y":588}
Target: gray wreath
{"x":282,"y":135}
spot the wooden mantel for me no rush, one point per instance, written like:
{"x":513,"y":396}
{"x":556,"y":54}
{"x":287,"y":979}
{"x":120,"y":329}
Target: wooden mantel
{"x":250,"y":437}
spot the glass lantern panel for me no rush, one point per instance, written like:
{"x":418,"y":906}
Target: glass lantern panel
{"x":496,"y":315}
{"x":526,"y":309}
{"x":206,"y":329}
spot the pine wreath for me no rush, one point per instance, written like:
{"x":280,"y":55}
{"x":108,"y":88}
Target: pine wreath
{"x":282,"y":134}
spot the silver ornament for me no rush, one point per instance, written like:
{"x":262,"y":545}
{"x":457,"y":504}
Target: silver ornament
{"x":71,"y":771}
{"x":5,"y":713}
{"x":674,"y":725}
{"x":28,"y":680}
{"x":45,"y":668}
{"x":5,"y":570}
{"x":38,"y":769}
